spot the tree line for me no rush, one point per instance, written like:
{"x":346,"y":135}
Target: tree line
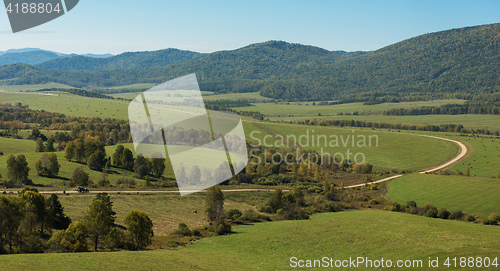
{"x":28,"y":222}
{"x":457,"y":128}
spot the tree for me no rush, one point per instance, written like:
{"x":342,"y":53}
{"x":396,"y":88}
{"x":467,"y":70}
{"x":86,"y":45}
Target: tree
{"x":80,"y":177}
{"x":98,"y":221}
{"x":55,"y":214}
{"x":39,"y":145}
{"x":96,"y":161}
{"x":73,"y":239}
{"x":54,"y":164}
{"x":106,"y":199}
{"x":157,"y":167}
{"x":127,"y":160}
{"x":117,"y":156}
{"x":17,"y":168}
{"x":214,"y":203}
{"x":37,"y":200}
{"x":14,"y":130}
{"x":69,"y":152}
{"x":141,"y":167}
{"x":467,"y":171}
{"x":10,"y":219}
{"x":47,"y":165}
{"x":49,"y":147}
{"x":79,"y":150}
{"x":195,"y":175}
{"x":140,"y":228}
{"x":42,"y":166}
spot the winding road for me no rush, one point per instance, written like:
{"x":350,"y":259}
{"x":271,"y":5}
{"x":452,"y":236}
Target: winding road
{"x":463,"y":152}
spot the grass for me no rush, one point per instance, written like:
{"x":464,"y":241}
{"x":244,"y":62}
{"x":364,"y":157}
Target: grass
{"x":250,"y":96}
{"x":165,"y":210}
{"x":394,"y":150}
{"x":475,"y":121}
{"x":473,"y":195}
{"x":18,"y":88}
{"x":70,"y":105}
{"x":485,"y":158}
{"x":307,"y":109}
{"x":269,"y":246}
{"x":27,"y":147}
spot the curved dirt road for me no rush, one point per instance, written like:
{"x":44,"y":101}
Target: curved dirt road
{"x":463,"y":152}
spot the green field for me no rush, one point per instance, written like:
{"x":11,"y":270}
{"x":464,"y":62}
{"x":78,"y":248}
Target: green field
{"x":474,"y":195}
{"x":307,"y":109}
{"x":18,"y":88}
{"x":485,"y":158}
{"x":70,"y":105}
{"x":165,"y":210}
{"x":27,"y":147}
{"x":394,"y":150}
{"x":475,"y":121}
{"x":269,"y":246}
{"x":250,"y":96}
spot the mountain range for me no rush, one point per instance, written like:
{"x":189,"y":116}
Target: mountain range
{"x":457,"y":61}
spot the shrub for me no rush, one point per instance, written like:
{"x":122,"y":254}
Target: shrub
{"x":456,"y":215}
{"x":183,"y":230}
{"x":222,"y":227}
{"x":196,"y":232}
{"x":431,"y":213}
{"x":234,"y":214}
{"x":374,"y":201}
{"x":443,"y":213}
{"x":470,"y":218}
{"x":409,"y":204}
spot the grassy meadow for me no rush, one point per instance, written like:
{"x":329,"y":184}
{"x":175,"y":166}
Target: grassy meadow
{"x":269,"y":246}
{"x":165,"y":210}
{"x":307,"y":109}
{"x":394,"y":150}
{"x":474,"y":195}
{"x":475,"y":121}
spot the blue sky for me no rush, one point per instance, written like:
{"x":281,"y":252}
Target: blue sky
{"x":97,"y":26}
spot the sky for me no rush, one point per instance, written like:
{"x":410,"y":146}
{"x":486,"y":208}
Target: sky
{"x":97,"y":26}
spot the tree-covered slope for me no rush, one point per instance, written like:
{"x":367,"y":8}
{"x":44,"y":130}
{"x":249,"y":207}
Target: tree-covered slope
{"x":129,"y":60}
{"x":30,"y":57}
{"x":464,"y":60}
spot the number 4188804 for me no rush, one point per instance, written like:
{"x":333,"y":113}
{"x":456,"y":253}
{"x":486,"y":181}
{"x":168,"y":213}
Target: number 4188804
{"x":471,"y":262}
{"x":33,"y":8}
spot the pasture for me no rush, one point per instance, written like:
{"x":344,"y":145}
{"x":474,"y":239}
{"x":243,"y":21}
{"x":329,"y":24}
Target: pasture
{"x":394,"y":150}
{"x":474,"y":195}
{"x":475,"y":121}
{"x":269,"y":246}
{"x":307,"y":109}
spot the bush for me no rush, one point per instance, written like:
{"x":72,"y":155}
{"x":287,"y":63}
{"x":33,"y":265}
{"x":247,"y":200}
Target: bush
{"x":457,"y":215}
{"x":252,"y":216}
{"x":126,"y":181}
{"x":222,"y":227}
{"x":470,"y":218}
{"x":374,"y":201}
{"x":443,"y":213}
{"x":431,"y":213}
{"x":234,"y":214}
{"x":196,"y":232}
{"x":409,"y":204}
{"x":183,"y":230}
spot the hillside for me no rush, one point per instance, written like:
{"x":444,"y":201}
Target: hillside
{"x":30,"y":57}
{"x":129,"y":60}
{"x":464,"y":60}
{"x":269,"y":246}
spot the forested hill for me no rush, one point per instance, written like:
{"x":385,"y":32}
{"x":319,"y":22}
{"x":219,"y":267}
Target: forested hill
{"x":129,"y":60}
{"x":464,"y":60}
{"x":30,"y":57}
